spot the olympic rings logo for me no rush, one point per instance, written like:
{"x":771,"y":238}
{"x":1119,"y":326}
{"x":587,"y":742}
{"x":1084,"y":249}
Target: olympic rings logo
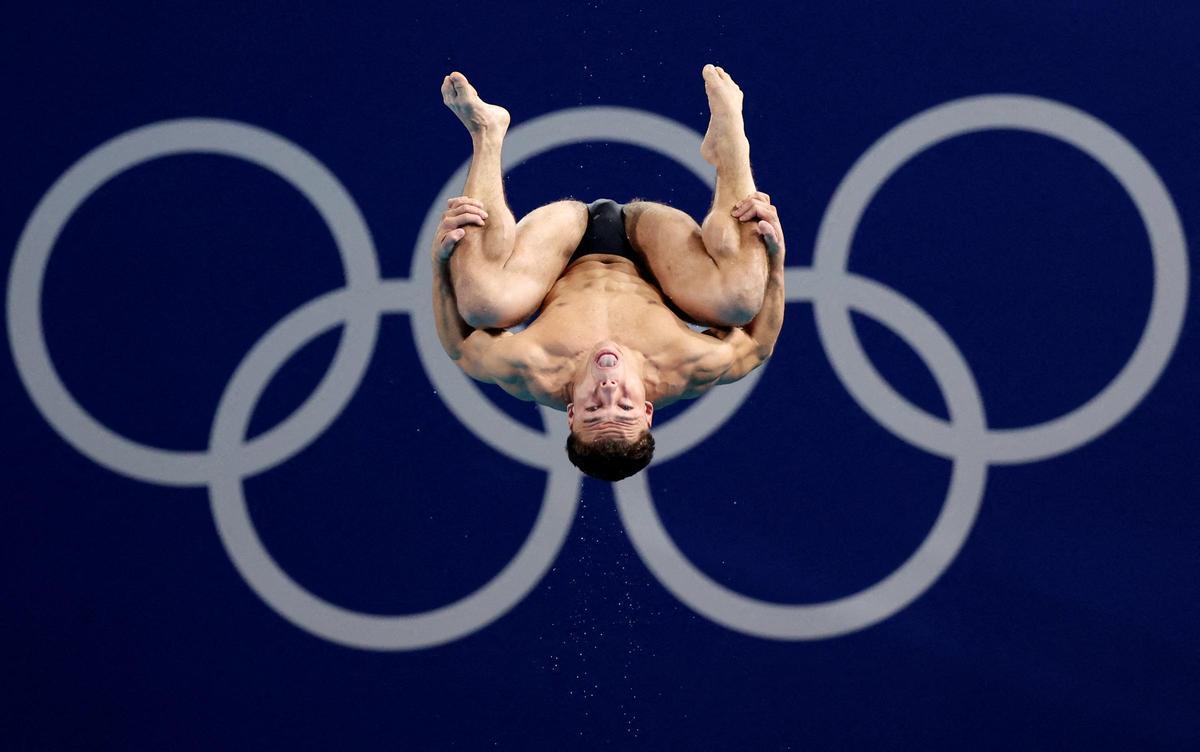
{"x":833,"y":291}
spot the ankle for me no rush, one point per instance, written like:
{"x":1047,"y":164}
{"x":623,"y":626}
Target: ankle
{"x":486,"y":138}
{"x":733,"y":154}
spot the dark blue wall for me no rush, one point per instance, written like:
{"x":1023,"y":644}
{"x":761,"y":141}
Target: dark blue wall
{"x":1068,"y":619}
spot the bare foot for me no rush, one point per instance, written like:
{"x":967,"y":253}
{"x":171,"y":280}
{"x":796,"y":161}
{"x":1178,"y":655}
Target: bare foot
{"x":726,"y":136}
{"x":479,"y":116}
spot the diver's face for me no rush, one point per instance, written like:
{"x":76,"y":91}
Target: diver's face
{"x":609,"y":401}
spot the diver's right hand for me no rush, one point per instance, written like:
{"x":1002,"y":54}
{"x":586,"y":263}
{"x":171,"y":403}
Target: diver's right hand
{"x":462,"y":211}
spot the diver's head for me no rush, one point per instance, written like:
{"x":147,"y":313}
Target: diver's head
{"x":609,"y":414}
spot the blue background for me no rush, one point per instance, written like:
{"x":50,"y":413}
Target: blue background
{"x":1068,"y":620}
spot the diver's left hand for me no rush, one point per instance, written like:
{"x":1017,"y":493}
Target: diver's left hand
{"x":461,"y":212}
{"x":757,"y":207}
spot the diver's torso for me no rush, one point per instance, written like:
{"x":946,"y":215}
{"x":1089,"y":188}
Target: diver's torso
{"x":603,"y":297}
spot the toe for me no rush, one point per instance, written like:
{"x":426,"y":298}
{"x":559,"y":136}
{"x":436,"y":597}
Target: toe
{"x":460,"y":82}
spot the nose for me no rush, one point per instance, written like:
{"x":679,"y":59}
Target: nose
{"x":608,"y":388}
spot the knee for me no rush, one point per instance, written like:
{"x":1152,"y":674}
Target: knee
{"x":482,"y":314}
{"x":739,"y":302}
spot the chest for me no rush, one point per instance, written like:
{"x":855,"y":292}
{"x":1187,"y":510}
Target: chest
{"x":635,"y":315}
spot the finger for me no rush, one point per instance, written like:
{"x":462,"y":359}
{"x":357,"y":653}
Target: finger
{"x":759,"y":195}
{"x":761,"y":210}
{"x":469,"y":218}
{"x":452,"y":237}
{"x":447,"y":241}
{"x":769,"y":235}
{"x":447,"y":227}
{"x":780,"y":242}
{"x":467,"y":209}
{"x":742,"y":207}
{"x":458,"y":220}
{"x":459,"y":200}
{"x":466,"y":206}
{"x":753,"y":209}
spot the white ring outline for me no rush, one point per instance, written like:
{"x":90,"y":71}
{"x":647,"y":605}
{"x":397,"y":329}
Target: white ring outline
{"x":291,"y":600}
{"x":209,"y":136}
{"x":358,"y":306}
{"x":840,"y":293}
{"x":1056,"y":120}
{"x":463,"y":398}
{"x":835,"y":292}
{"x":937,"y":551}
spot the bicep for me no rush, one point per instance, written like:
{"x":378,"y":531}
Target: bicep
{"x":483,"y":357}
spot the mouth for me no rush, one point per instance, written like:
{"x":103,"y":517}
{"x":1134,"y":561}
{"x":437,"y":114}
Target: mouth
{"x":606,"y":359}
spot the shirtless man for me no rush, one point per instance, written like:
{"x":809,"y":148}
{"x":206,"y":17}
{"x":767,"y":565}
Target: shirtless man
{"x":608,"y":343}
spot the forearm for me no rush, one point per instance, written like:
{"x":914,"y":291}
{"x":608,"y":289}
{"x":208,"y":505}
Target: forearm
{"x":451,"y":328}
{"x":765,"y":327}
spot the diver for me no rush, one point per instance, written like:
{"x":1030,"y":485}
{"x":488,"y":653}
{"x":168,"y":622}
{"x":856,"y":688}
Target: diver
{"x":612,"y":286}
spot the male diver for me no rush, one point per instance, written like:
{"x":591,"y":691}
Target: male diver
{"x":612,"y":287}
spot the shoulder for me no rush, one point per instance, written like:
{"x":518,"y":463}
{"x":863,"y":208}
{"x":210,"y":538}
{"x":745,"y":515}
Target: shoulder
{"x":518,"y":364}
{"x":489,"y":354}
{"x":690,"y":367}
{"x":742,"y":355}
{"x":712,"y":358}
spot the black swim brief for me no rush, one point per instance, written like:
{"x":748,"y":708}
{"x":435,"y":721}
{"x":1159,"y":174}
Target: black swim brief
{"x":605,"y":232}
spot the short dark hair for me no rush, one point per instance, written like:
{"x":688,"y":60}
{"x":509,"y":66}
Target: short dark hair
{"x":610,"y":459}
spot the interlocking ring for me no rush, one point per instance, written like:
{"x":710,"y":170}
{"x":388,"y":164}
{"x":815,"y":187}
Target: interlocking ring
{"x":1048,"y":118}
{"x":27,"y":338}
{"x":230,"y":458}
{"x":965,"y":438}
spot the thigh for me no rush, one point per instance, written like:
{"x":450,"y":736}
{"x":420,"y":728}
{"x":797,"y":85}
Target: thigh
{"x":503,"y":290}
{"x":671,"y":243}
{"x":546,"y":238}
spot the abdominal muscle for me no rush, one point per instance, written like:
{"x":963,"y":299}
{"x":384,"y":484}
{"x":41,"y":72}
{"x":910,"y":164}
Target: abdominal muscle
{"x":603,"y":297}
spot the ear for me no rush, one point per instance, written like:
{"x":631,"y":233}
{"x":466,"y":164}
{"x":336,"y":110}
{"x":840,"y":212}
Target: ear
{"x":649,"y":413}
{"x":571,"y":415}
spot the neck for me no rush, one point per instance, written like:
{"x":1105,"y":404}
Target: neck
{"x":635,"y":362}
